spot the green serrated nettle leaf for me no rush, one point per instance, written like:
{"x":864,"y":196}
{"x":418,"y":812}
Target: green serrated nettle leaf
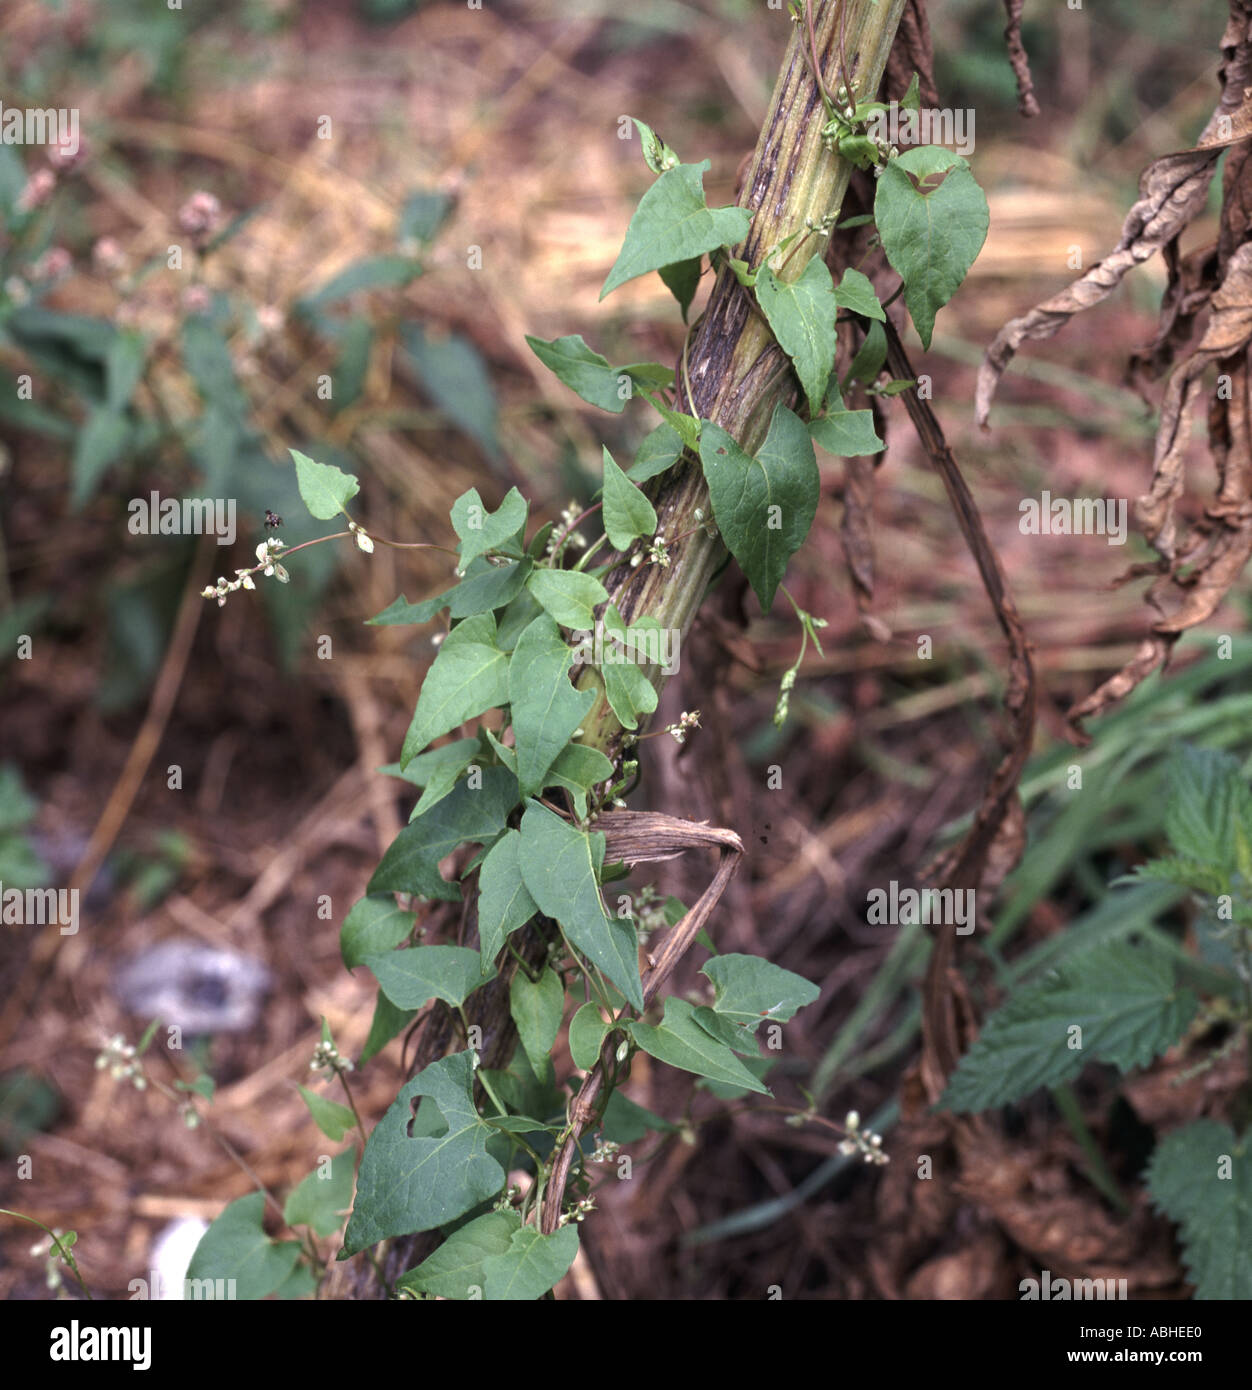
{"x":847,"y":433}
{"x":912,"y":98}
{"x":545,"y":706}
{"x":1186,"y":873}
{"x":1201,"y":1177}
{"x":481,"y":530}
{"x":414,"y":1184}
{"x":627,"y":512}
{"x":657,"y":155}
{"x":661,"y":449}
{"x":593,"y":377}
{"x":750,"y":990}
{"x":933,"y":219}
{"x":504,"y":904}
{"x":559,"y":866}
{"x":333,"y":1119}
{"x":682,"y":280}
{"x":1115,"y":1003}
{"x":577,"y":769}
{"x":673,"y":223}
{"x":801,"y":315}
{"x":412,"y":978}
{"x":687,"y":427}
{"x":475,"y":810}
{"x":455,"y":1270}
{"x":323,"y":1199}
{"x":869,"y":358}
{"x":469,"y":676}
{"x":763,"y":506}
{"x":736,"y":1037}
{"x":532,"y":1265}
{"x":537,"y":1007}
{"x":388,"y":1022}
{"x":679,"y":1041}
{"x":855,"y":292}
{"x":569,"y":596}
{"x":236,"y":1247}
{"x":324,"y":489}
{"x":442,"y":775}
{"x":587,"y":1030}
{"x":372,"y":925}
{"x":1208,"y":804}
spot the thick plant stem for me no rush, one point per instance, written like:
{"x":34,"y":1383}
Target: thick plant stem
{"x":736,"y":372}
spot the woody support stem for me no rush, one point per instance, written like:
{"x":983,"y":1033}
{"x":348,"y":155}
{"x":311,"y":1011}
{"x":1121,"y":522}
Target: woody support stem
{"x":736,"y":372}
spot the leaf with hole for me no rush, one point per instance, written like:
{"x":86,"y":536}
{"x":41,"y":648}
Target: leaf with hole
{"x":409,"y":1184}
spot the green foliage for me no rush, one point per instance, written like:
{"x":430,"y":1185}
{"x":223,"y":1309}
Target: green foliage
{"x":236,"y":1247}
{"x":682,"y":1042}
{"x":1119,"y":1001}
{"x":558,"y":865}
{"x":765,"y":505}
{"x":627,"y":512}
{"x":1201,"y":1177}
{"x":415,"y":1181}
{"x":322,"y":1199}
{"x":414,"y":977}
{"x":20,"y":865}
{"x":1116,"y":1003}
{"x":546,"y":708}
{"x":933,"y":219}
{"x":469,"y":676}
{"x":324,"y":489}
{"x":673,"y":224}
{"x":494,"y":1257}
{"x":333,"y":1119}
{"x":591,"y":376}
{"x":801,"y":315}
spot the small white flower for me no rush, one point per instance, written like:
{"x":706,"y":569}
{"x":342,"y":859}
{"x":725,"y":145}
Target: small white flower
{"x":364,"y":543}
